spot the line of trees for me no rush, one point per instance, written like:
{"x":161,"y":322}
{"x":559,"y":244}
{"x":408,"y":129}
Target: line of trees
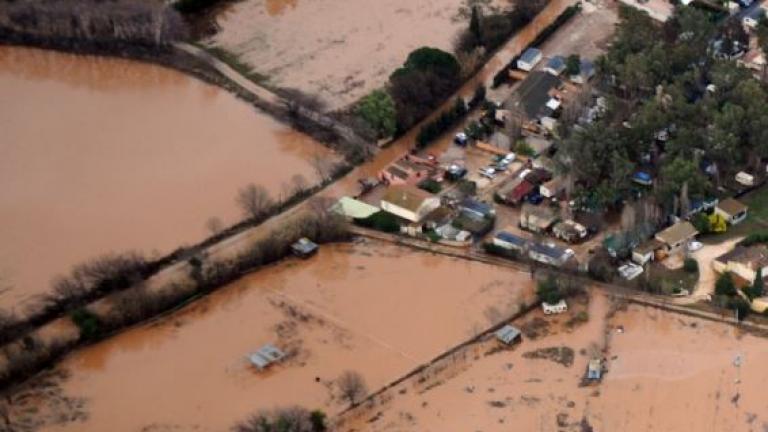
{"x":94,"y":21}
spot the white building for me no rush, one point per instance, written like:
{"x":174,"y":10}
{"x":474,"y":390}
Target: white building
{"x":530,"y":58}
{"x":409,"y":202}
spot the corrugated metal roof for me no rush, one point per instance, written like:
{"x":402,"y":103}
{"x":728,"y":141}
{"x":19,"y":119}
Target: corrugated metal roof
{"x":507,"y":334}
{"x":511,"y":238}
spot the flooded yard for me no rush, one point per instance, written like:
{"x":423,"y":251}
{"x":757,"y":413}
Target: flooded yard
{"x":344,"y":49}
{"x":373,"y":308}
{"x":102,"y":155}
{"x":659,"y":365}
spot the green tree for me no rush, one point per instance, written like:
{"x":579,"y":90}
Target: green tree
{"x":573,"y":65}
{"x":757,"y":288}
{"x":474,"y":24}
{"x":548,"y":291}
{"x":378,"y":111}
{"x":724,"y":285}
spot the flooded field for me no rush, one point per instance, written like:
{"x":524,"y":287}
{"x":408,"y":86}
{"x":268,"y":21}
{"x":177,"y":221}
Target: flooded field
{"x":345,"y":49}
{"x":103,"y":155}
{"x":373,"y":308}
{"x":659,"y":366}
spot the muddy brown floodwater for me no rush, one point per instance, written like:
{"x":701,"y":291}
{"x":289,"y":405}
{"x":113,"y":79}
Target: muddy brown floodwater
{"x":371,"y":307}
{"x":100,"y":155}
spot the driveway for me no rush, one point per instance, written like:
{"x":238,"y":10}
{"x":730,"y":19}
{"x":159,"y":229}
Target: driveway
{"x":707,"y":276}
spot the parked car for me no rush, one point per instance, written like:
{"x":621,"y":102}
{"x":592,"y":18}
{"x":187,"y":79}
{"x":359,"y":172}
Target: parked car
{"x":630,"y":271}
{"x":488,"y":172}
{"x":461,"y":139}
{"x":455,"y":172}
{"x":694,"y":245}
{"x":535,"y":198}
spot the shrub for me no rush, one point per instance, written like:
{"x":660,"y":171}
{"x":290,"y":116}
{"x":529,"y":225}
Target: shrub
{"x":741,"y":306}
{"x":430,"y":185}
{"x":548,"y":291}
{"x":690,"y":265}
{"x":381,"y":221}
{"x":756,"y":238}
{"x":88,"y":323}
{"x":701,"y":222}
{"x":523,"y":148}
{"x":725,"y":286}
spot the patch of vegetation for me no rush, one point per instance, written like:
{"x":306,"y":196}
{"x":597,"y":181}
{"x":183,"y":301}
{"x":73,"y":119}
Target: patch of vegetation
{"x":235,"y":63}
{"x":379,"y":113}
{"x":88,"y":323}
{"x":287,"y":419}
{"x":381,"y":221}
{"x":522,"y":148}
{"x":425,"y":80}
{"x":690,"y":265}
{"x":548,"y":290}
{"x":445,"y":121}
{"x":562,"y":355}
{"x":430,"y":185}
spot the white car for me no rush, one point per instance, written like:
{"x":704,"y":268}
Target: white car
{"x":488,"y":173}
{"x":509,"y":158}
{"x":694,"y":246}
{"x":630,"y":271}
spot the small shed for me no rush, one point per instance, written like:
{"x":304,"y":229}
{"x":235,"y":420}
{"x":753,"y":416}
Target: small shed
{"x":555,"y":65}
{"x":646,"y":251}
{"x":676,"y":236}
{"x":595,"y":370}
{"x":732,"y":211}
{"x":265,"y":356}
{"x":530,"y":58}
{"x":508,"y":334}
{"x":304,"y":248}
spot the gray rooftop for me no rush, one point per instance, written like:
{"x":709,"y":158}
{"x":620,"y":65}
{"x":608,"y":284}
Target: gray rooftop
{"x":507,"y":334}
{"x":530,"y":55}
{"x":265,"y":356}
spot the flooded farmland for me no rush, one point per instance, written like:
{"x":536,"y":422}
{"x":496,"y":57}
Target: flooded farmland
{"x":345,"y":49}
{"x":377,"y":309}
{"x":103,"y":155}
{"x":659,"y":364}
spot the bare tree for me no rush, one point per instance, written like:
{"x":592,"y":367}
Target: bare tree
{"x":322,"y":165}
{"x":352,"y":386}
{"x":254,"y":200}
{"x":289,"y":419}
{"x":299,"y":183}
{"x":214,"y":225}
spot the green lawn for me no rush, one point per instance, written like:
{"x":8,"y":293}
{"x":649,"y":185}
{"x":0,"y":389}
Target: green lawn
{"x":758,"y":204}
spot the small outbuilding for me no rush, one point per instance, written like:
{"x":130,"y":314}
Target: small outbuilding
{"x":304,"y":248}
{"x":732,"y":211}
{"x":266,"y":356}
{"x":677,"y":236}
{"x":646,"y":251}
{"x":555,"y":65}
{"x":508,"y":334}
{"x":530,"y":58}
{"x":595,"y":370}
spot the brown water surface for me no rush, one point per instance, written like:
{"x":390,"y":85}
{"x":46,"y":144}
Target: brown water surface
{"x":100,"y":155}
{"x":370,"y":307}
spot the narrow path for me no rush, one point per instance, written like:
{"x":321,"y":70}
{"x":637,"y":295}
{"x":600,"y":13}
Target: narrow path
{"x":270,"y":98}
